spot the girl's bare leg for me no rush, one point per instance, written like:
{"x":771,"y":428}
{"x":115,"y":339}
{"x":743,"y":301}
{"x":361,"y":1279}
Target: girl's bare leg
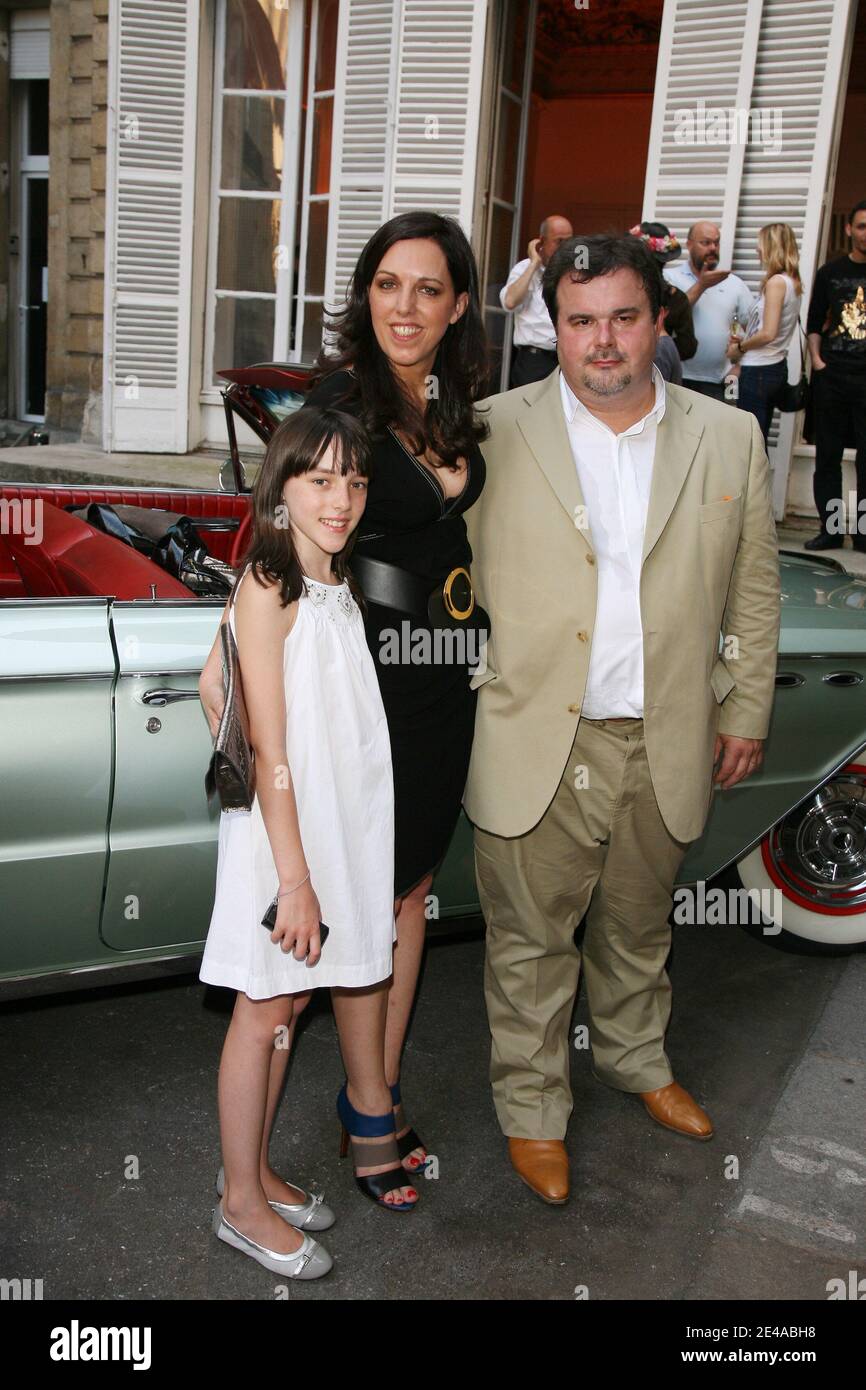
{"x":244,"y":1080}
{"x":275,"y":1189}
{"x":360,"y":1015}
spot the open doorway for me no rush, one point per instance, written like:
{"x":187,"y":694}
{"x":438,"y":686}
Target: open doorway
{"x":846,"y":188}
{"x":590,"y":114}
{"x":30,"y":241}
{"x":572,"y":136}
{"x":849,"y":184}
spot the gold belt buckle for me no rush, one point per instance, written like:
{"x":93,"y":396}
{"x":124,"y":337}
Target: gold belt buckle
{"x":450,"y":606}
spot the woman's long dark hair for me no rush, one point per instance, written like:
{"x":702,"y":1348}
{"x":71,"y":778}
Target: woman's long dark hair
{"x":296,"y":446}
{"x":449,"y":426}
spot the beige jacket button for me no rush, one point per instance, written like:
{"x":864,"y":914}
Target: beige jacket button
{"x":574,"y":709}
{"x":582,"y":636}
{"x":590,"y":559}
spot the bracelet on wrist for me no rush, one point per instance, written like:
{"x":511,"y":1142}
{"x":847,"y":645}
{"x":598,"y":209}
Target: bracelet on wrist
{"x":285,"y":891}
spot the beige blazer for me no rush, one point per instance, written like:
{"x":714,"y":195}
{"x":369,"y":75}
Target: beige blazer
{"x":709,"y":568}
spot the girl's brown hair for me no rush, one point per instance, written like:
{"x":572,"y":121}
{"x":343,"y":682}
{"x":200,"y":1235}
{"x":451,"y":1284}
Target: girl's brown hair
{"x":295,"y":447}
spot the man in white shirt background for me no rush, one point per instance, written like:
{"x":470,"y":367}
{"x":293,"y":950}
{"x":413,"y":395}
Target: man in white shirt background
{"x":534,"y":343}
{"x":719,"y":301}
{"x":625,"y":525}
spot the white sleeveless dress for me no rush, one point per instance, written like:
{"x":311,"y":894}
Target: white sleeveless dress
{"x":340,"y":759}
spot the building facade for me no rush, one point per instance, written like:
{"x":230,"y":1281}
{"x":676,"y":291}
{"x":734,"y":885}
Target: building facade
{"x":189,"y":182}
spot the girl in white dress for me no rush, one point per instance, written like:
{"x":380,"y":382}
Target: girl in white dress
{"x":319,"y":840}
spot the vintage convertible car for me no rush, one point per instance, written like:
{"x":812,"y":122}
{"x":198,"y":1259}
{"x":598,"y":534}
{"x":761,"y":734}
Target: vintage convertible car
{"x":107,"y":841}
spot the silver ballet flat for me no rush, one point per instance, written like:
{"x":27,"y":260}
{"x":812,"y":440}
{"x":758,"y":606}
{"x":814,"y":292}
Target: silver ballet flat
{"x":310,"y":1215}
{"x":311,"y":1261}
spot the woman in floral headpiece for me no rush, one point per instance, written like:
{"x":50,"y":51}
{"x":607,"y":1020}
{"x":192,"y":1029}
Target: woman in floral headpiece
{"x":677,"y":342}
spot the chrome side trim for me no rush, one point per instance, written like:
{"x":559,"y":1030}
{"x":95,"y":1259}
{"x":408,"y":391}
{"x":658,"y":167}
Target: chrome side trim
{"x":92,"y":976}
{"x":65,"y":676}
{"x":124,"y":487}
{"x":181,"y":671}
{"x":822,"y":656}
{"x":190,"y":602}
{"x":88,"y":600}
{"x":818,"y":560}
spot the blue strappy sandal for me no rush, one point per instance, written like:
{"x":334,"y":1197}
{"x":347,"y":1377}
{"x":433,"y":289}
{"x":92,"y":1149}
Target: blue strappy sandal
{"x":358,"y":1126}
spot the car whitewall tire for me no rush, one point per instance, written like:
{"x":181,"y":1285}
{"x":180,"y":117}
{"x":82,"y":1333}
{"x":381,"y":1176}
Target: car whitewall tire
{"x":812,"y":865}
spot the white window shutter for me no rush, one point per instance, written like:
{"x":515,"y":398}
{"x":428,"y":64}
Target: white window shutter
{"x":782,"y":60}
{"x":438,"y":93}
{"x":706,"y":59}
{"x":360,"y":152}
{"x":30,"y":44}
{"x":405,"y":121}
{"x":149,"y":224}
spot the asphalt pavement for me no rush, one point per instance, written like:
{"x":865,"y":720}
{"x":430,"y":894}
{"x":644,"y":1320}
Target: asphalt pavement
{"x":111,"y":1145}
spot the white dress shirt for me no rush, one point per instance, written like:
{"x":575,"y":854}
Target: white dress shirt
{"x":615,"y":474}
{"x":532,"y":325}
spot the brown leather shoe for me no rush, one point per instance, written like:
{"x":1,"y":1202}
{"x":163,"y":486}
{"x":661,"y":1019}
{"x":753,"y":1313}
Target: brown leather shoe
{"x":543,"y":1166}
{"x":674,"y":1108}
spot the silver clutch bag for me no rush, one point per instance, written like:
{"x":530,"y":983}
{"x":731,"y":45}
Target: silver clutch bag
{"x":231,"y":774}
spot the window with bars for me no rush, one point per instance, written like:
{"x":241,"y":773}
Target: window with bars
{"x":273,"y":108}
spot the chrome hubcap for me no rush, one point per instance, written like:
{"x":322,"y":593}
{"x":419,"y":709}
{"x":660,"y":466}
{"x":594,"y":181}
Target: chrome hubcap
{"x":819,"y":851}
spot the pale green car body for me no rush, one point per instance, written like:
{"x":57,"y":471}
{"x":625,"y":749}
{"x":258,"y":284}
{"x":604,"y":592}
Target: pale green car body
{"x":107,"y":841}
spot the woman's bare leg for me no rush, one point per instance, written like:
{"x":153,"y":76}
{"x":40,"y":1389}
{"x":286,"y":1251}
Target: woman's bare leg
{"x":408,"y":950}
{"x":360,"y":1015}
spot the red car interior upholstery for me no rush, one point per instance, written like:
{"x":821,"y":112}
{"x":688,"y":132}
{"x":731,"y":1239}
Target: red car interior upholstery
{"x":11,"y":585}
{"x":225,"y":545}
{"x":241,"y":539}
{"x":214,"y":505}
{"x":74,"y":559}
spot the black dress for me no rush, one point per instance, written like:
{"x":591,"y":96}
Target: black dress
{"x":408,"y":521}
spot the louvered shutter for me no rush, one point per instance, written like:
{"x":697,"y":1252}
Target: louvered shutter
{"x":406,"y":119}
{"x":29,"y":45}
{"x":149,"y":227}
{"x":438,"y":91}
{"x":780,"y":59}
{"x":707,"y":54}
{"x":360,"y":153}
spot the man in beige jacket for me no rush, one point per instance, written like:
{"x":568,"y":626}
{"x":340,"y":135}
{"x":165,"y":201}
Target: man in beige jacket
{"x":625,"y":549}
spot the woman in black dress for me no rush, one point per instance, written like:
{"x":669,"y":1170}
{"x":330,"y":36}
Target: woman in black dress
{"x":410,"y":363}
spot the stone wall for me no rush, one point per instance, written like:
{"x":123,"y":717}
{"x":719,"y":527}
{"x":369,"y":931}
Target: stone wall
{"x":76,"y":216}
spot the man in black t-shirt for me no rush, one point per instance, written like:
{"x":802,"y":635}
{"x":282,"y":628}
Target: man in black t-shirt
{"x":836,"y":328}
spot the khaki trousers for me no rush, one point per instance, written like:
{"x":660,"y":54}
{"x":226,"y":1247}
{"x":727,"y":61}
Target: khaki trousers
{"x":601,"y":845}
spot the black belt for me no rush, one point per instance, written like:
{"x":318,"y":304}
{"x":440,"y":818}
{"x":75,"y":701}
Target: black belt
{"x":389,"y":585}
{"x":451,"y":604}
{"x":548,"y":352}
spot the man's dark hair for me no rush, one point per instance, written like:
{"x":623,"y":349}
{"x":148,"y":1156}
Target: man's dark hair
{"x":600,"y":255}
{"x":858,"y":207}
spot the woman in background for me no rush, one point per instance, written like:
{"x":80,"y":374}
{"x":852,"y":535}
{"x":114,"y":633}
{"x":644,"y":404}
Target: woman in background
{"x":762,"y":351}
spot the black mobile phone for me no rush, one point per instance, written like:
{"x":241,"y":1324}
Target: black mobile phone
{"x":270,"y":921}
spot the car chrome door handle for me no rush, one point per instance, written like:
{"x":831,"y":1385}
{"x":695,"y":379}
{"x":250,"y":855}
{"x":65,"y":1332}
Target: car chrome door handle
{"x":165,"y":695}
